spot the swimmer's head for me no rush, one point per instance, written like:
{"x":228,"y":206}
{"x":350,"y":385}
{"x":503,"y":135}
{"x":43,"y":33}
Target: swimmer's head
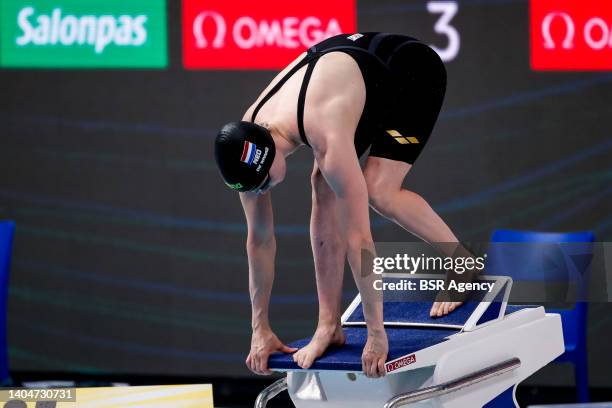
{"x":245,"y":154}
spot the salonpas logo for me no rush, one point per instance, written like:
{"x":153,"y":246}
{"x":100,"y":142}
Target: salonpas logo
{"x":76,"y":33}
{"x":69,"y":29}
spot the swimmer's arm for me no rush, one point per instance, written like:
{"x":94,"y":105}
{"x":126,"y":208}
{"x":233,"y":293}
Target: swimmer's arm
{"x":342,"y":171}
{"x":261,"y":251}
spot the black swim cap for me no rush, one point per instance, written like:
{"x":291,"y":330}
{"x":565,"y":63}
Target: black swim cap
{"x":244,"y":152}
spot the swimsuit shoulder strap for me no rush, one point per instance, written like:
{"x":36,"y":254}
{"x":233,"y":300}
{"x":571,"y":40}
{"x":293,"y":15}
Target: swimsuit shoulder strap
{"x":278,"y":86}
{"x":302,"y":99}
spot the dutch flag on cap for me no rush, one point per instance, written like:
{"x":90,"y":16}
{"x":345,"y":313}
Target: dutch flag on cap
{"x":248,"y":153}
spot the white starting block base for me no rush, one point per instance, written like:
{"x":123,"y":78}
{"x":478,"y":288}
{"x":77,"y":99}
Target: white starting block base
{"x":524,"y":335}
{"x":476,"y":365}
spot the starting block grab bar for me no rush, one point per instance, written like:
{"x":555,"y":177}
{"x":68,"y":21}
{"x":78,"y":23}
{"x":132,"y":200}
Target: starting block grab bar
{"x":270,"y":392}
{"x":455,"y":385}
{"x":414,"y":396}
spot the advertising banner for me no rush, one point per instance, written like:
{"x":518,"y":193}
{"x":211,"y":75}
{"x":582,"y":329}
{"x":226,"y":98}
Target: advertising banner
{"x":266,"y":34}
{"x":75,"y":33}
{"x":569,"y":35}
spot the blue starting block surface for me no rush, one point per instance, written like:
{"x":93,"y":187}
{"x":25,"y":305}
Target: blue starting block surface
{"x":408,"y":308}
{"x":402,"y":340}
{"x":416,"y":313}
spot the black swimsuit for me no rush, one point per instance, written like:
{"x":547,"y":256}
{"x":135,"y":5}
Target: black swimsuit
{"x":405,"y":82}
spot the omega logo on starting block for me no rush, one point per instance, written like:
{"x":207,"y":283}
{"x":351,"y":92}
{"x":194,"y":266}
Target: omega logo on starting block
{"x":402,"y":362}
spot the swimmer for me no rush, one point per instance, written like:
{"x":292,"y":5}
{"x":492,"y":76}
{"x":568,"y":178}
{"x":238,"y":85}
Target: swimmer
{"x":344,"y":95}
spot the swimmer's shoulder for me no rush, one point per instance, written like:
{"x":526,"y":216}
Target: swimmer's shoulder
{"x":277,"y":78}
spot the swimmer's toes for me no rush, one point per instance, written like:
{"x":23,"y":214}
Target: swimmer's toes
{"x":299,"y":357}
{"x":308,"y":362}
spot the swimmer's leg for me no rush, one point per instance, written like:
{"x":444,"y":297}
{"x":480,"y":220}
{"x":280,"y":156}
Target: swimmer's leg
{"x":329,"y":252}
{"x":409,"y":210}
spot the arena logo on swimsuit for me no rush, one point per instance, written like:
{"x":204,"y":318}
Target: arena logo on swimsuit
{"x":567,"y":35}
{"x":262,"y":35}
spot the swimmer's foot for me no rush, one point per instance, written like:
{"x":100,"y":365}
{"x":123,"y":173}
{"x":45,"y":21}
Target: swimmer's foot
{"x":448,"y":300}
{"x":324,"y":337}
{"x":439,"y":309}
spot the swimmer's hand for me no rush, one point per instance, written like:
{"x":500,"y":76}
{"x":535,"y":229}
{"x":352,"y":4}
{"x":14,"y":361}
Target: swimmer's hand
{"x":263,"y":343}
{"x":375,"y":354}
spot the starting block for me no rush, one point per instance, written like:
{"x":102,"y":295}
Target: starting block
{"x":473,"y":357}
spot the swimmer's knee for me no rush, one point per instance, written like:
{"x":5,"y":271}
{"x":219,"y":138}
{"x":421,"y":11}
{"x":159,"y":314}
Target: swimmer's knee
{"x":382,"y":204}
{"x":381,"y":200}
{"x":380,"y":193}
